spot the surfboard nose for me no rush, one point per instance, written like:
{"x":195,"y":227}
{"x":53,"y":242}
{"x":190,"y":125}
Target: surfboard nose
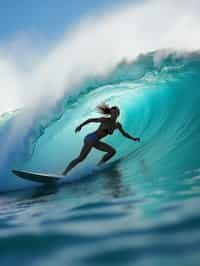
{"x":38,"y":177}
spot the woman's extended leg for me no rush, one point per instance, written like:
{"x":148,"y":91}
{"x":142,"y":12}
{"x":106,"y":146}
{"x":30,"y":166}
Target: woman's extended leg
{"x":110,"y":151}
{"x":83,"y":154}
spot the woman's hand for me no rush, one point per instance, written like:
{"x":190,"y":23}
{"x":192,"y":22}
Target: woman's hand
{"x":137,"y":139}
{"x":78,"y":129}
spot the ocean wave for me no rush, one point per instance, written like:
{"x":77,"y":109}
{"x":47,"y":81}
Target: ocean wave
{"x":158,"y":94}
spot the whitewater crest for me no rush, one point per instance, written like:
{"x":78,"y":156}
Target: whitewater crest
{"x":158,"y":96}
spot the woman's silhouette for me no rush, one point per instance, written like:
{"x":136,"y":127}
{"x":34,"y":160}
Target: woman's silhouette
{"x":108,"y":124}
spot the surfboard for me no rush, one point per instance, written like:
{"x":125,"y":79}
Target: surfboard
{"x":53,"y":178}
{"x":39,"y":177}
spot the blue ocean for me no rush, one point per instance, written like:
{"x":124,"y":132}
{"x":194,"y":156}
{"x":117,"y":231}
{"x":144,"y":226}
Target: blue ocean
{"x":143,"y":209}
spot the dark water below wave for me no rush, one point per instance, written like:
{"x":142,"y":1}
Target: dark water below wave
{"x":144,"y":210}
{"x":103,"y":220}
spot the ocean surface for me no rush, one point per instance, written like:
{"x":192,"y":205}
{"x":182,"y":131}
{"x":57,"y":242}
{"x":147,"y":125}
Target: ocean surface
{"x":144,"y":208}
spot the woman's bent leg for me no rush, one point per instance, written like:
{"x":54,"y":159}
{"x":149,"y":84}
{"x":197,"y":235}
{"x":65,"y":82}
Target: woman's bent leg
{"x":110,"y":151}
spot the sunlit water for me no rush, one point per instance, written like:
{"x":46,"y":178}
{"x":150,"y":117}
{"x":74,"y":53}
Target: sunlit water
{"x":144,"y":208}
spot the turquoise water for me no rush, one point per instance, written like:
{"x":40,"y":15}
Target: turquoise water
{"x":144,"y":209}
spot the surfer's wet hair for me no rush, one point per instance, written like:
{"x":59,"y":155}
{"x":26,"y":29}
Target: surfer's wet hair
{"x":104,"y":109}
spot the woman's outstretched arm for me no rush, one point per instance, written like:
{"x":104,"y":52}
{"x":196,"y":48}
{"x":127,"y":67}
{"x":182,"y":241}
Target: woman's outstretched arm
{"x":125,"y":134}
{"x":90,"y":120}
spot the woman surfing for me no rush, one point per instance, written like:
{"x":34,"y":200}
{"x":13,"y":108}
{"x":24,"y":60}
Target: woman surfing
{"x":108,"y":124}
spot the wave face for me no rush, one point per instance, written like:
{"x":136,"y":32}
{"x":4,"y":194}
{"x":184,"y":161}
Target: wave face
{"x":158,"y":94}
